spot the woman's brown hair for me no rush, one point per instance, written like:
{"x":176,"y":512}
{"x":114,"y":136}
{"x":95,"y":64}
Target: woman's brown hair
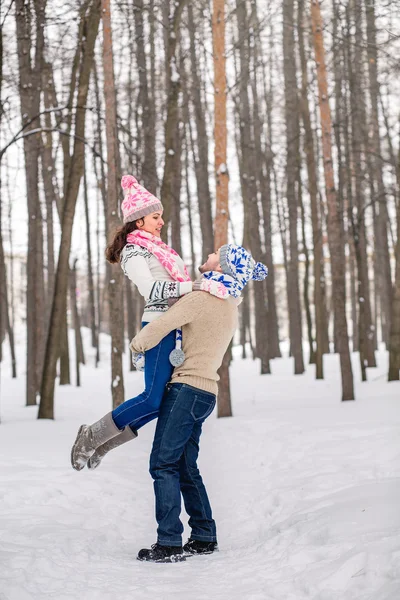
{"x":114,"y":249}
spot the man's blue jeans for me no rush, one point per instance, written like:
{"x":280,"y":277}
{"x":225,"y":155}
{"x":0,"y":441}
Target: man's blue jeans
{"x":141,"y":409}
{"x":173,"y":465}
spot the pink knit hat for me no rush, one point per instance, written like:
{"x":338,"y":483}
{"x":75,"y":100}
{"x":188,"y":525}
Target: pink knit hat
{"x":138,"y":202}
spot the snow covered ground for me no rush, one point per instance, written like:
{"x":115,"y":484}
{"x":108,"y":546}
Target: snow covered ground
{"x":305,"y":491}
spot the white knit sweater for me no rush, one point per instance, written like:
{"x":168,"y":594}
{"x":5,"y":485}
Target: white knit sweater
{"x":154,"y":282}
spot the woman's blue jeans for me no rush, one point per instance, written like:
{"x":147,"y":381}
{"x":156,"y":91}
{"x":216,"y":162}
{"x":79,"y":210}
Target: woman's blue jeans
{"x":141,"y":409}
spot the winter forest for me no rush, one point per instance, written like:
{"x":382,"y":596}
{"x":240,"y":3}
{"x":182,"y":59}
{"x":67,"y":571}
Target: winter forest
{"x":272,"y":124}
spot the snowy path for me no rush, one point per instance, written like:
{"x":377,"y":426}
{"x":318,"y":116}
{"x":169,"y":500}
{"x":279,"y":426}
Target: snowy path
{"x":305,"y":492}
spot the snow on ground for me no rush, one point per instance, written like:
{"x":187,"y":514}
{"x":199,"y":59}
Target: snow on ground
{"x":305,"y":491}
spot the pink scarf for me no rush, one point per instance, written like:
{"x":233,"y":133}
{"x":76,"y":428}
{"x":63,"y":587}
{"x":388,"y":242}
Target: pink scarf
{"x":161,"y":251}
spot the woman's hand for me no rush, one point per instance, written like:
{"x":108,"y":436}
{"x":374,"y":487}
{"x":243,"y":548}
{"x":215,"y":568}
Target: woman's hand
{"x":215,"y":288}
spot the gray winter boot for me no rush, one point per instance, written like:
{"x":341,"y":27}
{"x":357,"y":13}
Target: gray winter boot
{"x":89,"y":438}
{"x":125,"y":436}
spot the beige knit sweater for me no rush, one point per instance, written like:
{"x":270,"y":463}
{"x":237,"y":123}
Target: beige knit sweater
{"x":208,"y":325}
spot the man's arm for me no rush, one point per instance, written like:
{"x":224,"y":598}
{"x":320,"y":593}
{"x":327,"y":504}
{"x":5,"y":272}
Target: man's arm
{"x":188,"y":309}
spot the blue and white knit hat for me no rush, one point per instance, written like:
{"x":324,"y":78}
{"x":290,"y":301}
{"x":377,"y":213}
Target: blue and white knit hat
{"x":239,"y":264}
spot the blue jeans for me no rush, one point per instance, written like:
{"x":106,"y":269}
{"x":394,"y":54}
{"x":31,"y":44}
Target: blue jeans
{"x":173,"y":465}
{"x":141,"y":409}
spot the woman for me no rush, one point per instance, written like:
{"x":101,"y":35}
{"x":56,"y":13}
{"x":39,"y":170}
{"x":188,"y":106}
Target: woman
{"x":159,"y":274}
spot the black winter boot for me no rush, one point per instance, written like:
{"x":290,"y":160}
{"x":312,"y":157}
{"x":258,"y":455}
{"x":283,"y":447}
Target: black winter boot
{"x":199,"y":547}
{"x":162,"y":554}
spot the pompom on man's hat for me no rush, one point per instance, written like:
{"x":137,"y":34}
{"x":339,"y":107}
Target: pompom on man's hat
{"x":238,"y":263}
{"x":138,"y":202}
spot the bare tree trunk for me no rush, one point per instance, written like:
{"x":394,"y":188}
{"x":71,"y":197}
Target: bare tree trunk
{"x":29,"y":88}
{"x":65,"y":375}
{"x":102,"y":178}
{"x":384,"y":280}
{"x":79,"y":355}
{"x":92,"y":305}
{"x":220,"y":134}
{"x":313,"y":192}
{"x":357,"y":212}
{"x":171,"y":124}
{"x":5,"y":322}
{"x":3,"y":292}
{"x":243,"y":330}
{"x":221,"y":173}
{"x":394,"y":161}
{"x":153,"y":75}
{"x":115,"y":283}
{"x":98,"y":279}
{"x":334,"y":235}
{"x":248,"y":174}
{"x":4,"y":304}
{"x":292,"y":150}
{"x":348,"y":192}
{"x":189,"y":203}
{"x":353,"y":295}
{"x":270,"y":170}
{"x":147,"y":102}
{"x":394,"y":340}
{"x":176,"y":195}
{"x":201,"y":164}
{"x":273,"y":326}
{"x":306,"y":285}
{"x":46,"y":408}
{"x":282,"y":228}
{"x":51,"y":192}
{"x":264,"y":183}
{"x":47,"y":163}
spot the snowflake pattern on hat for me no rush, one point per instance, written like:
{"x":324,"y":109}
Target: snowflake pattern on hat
{"x":238,"y":268}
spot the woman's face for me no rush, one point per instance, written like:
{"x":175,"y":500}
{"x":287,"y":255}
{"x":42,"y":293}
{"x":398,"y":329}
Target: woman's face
{"x":152,"y":223}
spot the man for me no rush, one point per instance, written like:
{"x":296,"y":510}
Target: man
{"x":208,"y":324}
